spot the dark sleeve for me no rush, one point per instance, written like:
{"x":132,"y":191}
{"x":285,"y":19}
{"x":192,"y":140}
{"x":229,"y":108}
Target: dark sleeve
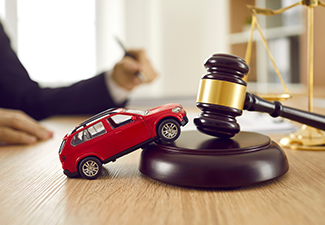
{"x":18,"y":91}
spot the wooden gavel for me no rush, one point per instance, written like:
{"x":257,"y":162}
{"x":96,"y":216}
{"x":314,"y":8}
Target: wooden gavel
{"x":222,"y":96}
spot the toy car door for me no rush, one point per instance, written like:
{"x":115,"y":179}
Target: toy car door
{"x":128,"y":131}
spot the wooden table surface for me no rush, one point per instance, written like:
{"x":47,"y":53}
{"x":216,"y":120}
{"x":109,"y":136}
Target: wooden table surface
{"x":33,"y":190}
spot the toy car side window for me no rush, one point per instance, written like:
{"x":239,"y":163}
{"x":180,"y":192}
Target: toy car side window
{"x":80,"y":137}
{"x":97,"y":129}
{"x":89,"y":133}
{"x":120,"y":120}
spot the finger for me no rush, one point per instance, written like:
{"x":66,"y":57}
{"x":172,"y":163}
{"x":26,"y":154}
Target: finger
{"x":134,"y":67}
{"x":147,"y":69}
{"x":132,"y":70}
{"x":24,"y":123}
{"x":149,"y":73}
{"x":138,"y":54}
{"x":138,"y":79}
{"x":130,"y":65}
{"x":10,"y":136}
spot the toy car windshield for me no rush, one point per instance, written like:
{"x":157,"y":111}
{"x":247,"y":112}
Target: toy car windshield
{"x":135,"y":111}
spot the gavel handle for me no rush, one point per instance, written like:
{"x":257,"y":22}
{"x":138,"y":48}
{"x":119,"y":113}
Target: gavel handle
{"x":275,"y":109}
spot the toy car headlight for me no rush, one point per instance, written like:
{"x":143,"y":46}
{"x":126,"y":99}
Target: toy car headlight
{"x":176,"y":110}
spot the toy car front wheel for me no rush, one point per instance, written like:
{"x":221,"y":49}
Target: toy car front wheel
{"x":169,"y":130}
{"x":90,"y":168}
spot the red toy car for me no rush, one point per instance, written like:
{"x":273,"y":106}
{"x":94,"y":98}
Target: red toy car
{"x":114,"y":133}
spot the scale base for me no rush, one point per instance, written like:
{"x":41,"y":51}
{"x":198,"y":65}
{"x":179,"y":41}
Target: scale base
{"x":198,"y":160}
{"x":306,"y":138}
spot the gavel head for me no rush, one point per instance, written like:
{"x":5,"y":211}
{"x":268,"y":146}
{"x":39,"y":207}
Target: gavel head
{"x":221,"y":95}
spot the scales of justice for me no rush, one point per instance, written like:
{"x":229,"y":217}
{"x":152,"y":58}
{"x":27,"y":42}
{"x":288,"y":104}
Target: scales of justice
{"x":217,"y":154}
{"x":306,"y":138}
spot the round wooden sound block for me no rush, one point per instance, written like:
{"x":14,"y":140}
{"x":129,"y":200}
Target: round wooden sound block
{"x":199,"y":160}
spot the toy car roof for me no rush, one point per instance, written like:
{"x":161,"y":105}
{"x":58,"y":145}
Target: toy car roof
{"x":95,"y":117}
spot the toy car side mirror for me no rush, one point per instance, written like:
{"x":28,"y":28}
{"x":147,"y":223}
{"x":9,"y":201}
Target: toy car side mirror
{"x":133,"y":118}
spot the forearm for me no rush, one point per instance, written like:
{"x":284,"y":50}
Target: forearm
{"x":85,"y":97}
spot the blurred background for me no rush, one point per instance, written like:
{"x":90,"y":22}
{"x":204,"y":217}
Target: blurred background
{"x":63,"y":41}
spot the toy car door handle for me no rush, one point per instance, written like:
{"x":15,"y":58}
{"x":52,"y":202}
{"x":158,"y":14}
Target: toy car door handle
{"x":117,"y":132}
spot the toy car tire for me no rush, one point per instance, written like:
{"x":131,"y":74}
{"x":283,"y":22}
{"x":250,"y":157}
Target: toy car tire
{"x":168,"y":130}
{"x":90,"y":168}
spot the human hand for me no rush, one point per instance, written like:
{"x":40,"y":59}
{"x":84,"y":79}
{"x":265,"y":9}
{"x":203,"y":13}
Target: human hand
{"x":18,"y":128}
{"x":125,"y":71}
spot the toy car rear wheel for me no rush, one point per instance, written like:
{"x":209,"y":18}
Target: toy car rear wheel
{"x":169,"y":130}
{"x":90,"y":168}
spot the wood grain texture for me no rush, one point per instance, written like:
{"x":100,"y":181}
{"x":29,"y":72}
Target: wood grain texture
{"x":33,"y":190}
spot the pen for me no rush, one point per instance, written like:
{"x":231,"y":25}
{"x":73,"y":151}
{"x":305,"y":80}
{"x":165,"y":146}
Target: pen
{"x":126,"y":53}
